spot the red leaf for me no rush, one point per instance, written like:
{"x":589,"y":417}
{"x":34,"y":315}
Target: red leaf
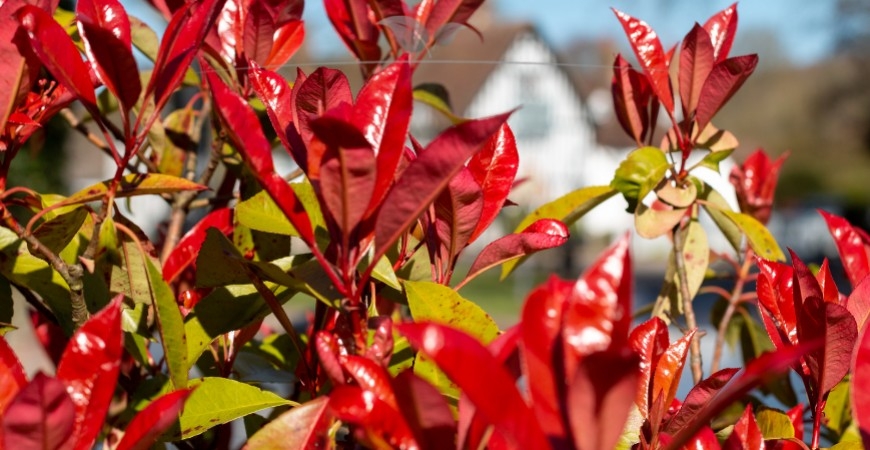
{"x":243,"y":129}
{"x":89,"y":368}
{"x":755,"y":184}
{"x":696,"y":62}
{"x":427,"y":175}
{"x":262,"y":21}
{"x":42,"y":416}
{"x":287,"y":42}
{"x":327,"y":348}
{"x":381,"y":348}
{"x":725,"y":79}
{"x":539,"y":328}
{"x":276,"y":94}
{"x":19,"y":73}
{"x":746,"y":434}
{"x":426,"y":411}
{"x":631,"y":98}
{"x":722,"y":27}
{"x":105,"y":30}
{"x":599,"y":400}
{"x":850,"y":246}
{"x":146,"y":427}
{"x":457,"y":212}
{"x":350,"y":18}
{"x":860,"y":391}
{"x":12,"y":377}
{"x":494,"y":168}
{"x":796,"y":415}
{"x":669,"y":369}
{"x":480,"y":376}
{"x":833,"y":325}
{"x":776,"y":300}
{"x":301,"y":428}
{"x":698,"y":398}
{"x":858,"y":303}
{"x":371,"y":377}
{"x":762,"y":369}
{"x":805,"y":283}
{"x":828,"y":286}
{"x":57,"y":52}
{"x":379,"y":420}
{"x":184,"y":254}
{"x":182,"y":39}
{"x":346,"y":173}
{"x":651,"y":56}
{"x":383,"y":112}
{"x":313,"y":97}
{"x":540,"y":235}
{"x":446,"y":12}
{"x":650,"y":341}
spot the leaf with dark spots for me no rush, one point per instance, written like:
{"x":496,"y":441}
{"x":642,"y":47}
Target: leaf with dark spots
{"x":426,"y":411}
{"x":494,"y":168}
{"x":41,"y":416}
{"x":833,"y":325}
{"x":185,"y":253}
{"x":383,"y":113}
{"x":132,"y":185}
{"x":650,"y":341}
{"x":696,"y":62}
{"x":599,"y":400}
{"x":57,"y":53}
{"x":12,"y":378}
{"x":539,"y":329}
{"x":433,"y":302}
{"x":651,"y":56}
{"x":381,"y":421}
{"x":722,"y":27}
{"x":303,"y":427}
{"x":245,"y":133}
{"x":426,"y":176}
{"x":105,"y":30}
{"x":147,"y":425}
{"x":631,"y":97}
{"x":457,"y":212}
{"x":480,"y":376}
{"x":850,"y":246}
{"x":541,"y":235}
{"x":746,"y":435}
{"x":89,"y":369}
{"x":313,"y":96}
{"x":723,"y":82}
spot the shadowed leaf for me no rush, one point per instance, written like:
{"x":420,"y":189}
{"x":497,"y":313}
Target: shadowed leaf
{"x":42,"y":416}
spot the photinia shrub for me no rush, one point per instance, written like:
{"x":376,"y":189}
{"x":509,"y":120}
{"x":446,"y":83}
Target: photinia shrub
{"x":164,"y":341}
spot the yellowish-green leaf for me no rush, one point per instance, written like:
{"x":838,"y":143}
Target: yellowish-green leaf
{"x":261,"y":213}
{"x":436,"y":96}
{"x":640,"y":172}
{"x":838,"y":408}
{"x":774,"y":424}
{"x":678,"y":196}
{"x":716,"y":209}
{"x":433,"y":302}
{"x":760,"y":239}
{"x":171,"y":325}
{"x":848,"y":445}
{"x":132,"y":185}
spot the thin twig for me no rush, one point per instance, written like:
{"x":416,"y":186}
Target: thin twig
{"x":689,"y":312}
{"x":733,"y":301}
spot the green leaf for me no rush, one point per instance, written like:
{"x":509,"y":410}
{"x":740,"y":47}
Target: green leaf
{"x":640,"y":172}
{"x":711,"y":160}
{"x":171,"y":325}
{"x":568,"y":209}
{"x":433,"y":302}
{"x":132,"y":185}
{"x":436,"y":96}
{"x":716,"y":209}
{"x":182,"y":133}
{"x":130,"y":276}
{"x":261,"y":213}
{"x":760,"y":239}
{"x":57,"y":233}
{"x":219,"y":263}
{"x":382,"y":272}
{"x":848,"y":445}
{"x":774,"y":424}
{"x":838,"y":408}
{"x":217,"y":401}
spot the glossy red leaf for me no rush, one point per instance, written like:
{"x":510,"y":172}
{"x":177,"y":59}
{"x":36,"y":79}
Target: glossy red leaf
{"x":184,"y":254}
{"x":860,"y":391}
{"x":182,"y":39}
{"x":383,"y":113}
{"x":12,"y":377}
{"x":696,"y":62}
{"x":805,"y":283}
{"x":328,"y":350}
{"x":725,"y":79}
{"x":426,"y":411}
{"x":57,"y":52}
{"x":650,"y":341}
{"x":445,"y":12}
{"x":858,"y":303}
{"x":457,"y":212}
{"x":540,"y":235}
{"x":288,"y":40}
{"x":850,"y":246}
{"x":313,"y":96}
{"x":146,"y":427}
{"x":105,"y":30}
{"x":42,"y":416}
{"x":755,"y":184}
{"x":669,"y":369}
{"x":698,"y":398}
{"x":796,"y":415}
{"x":705,"y":440}
{"x":381,"y":347}
{"x":426,"y":176}
{"x":371,"y":377}
{"x":599,"y":400}
{"x":259,"y":32}
{"x":243,"y":129}
{"x":346,"y":173}
{"x":760,"y":370}
{"x":480,"y":376}
{"x":301,"y":428}
{"x":722,"y":28}
{"x":746,"y":434}
{"x":651,"y":56}
{"x":776,"y":301}
{"x":89,"y":369}
{"x":381,"y":422}
{"x":350,"y":18}
{"x":631,"y":97}
{"x":274,"y":91}
{"x":18,"y":77}
{"x":835,"y":327}
{"x":828,"y":286}
{"x":540,"y":327}
{"x":494,"y":168}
